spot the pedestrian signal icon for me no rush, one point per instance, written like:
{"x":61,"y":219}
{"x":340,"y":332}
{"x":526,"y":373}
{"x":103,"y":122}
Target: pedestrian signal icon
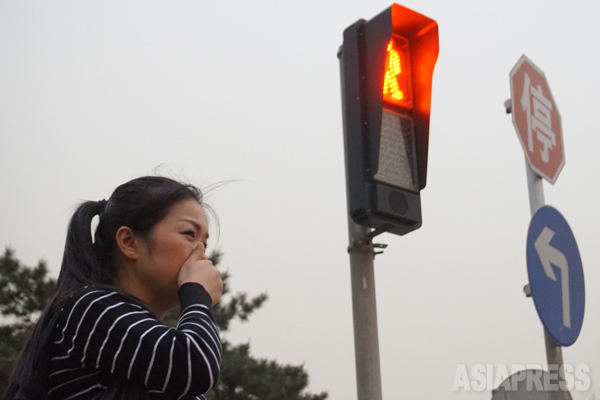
{"x":396,"y":85}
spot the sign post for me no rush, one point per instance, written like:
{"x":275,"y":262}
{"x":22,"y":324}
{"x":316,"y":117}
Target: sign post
{"x":539,"y":128}
{"x":553,"y":350}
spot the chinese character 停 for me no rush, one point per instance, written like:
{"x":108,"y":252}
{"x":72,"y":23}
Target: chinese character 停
{"x":539,"y":120}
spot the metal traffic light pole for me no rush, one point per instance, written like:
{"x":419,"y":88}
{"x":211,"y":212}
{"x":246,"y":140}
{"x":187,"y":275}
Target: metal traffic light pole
{"x":385,"y":152}
{"x":364,"y":305}
{"x":364,"y":312}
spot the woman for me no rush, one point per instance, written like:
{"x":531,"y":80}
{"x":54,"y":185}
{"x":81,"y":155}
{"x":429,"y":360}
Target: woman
{"x":101,"y":336}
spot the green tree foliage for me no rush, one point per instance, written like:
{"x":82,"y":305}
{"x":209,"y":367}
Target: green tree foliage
{"x":25,"y":291}
{"x":246,"y":378}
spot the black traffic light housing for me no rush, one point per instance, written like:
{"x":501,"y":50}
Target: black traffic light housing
{"x":386,"y":140}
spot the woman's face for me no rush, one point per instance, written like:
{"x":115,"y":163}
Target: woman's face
{"x":162,"y":254}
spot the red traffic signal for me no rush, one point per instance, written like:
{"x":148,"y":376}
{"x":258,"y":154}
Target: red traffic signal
{"x":397,"y":80}
{"x":387,"y":66}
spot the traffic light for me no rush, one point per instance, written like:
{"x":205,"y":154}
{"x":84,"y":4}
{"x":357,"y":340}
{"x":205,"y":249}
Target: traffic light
{"x":386,"y":67}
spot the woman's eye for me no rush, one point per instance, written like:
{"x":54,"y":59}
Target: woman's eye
{"x":190,"y":233}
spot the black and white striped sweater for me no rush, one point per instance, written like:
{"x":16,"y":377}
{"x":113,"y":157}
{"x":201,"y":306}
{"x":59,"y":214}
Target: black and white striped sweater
{"x":102,"y":336}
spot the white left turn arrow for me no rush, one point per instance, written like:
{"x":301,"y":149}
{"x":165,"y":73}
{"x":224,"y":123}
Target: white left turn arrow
{"x":549,"y":255}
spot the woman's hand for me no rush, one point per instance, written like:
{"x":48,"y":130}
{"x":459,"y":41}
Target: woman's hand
{"x":197,"y":268}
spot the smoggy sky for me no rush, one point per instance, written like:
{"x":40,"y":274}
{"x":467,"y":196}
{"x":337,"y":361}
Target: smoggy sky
{"x":93,"y":94}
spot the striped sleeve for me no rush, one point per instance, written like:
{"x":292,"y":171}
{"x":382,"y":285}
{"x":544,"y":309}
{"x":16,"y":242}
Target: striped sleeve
{"x":103,"y":335}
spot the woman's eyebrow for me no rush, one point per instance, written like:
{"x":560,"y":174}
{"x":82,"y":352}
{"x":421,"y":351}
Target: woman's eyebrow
{"x":196,"y":224}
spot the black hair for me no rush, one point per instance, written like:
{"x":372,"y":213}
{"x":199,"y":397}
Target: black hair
{"x":89,"y":259}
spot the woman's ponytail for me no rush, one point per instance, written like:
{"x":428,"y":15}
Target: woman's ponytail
{"x":80,"y":264}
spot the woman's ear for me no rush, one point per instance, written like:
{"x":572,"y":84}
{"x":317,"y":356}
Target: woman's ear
{"x":128,"y":243}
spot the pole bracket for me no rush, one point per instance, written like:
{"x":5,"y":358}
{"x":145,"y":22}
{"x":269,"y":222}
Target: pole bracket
{"x":379,"y":246}
{"x":366,"y":244}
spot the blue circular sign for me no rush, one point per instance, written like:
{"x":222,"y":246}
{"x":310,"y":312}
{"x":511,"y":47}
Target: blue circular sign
{"x":555,"y":275}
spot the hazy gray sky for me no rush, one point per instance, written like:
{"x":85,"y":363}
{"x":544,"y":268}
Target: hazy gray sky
{"x":93,"y":94}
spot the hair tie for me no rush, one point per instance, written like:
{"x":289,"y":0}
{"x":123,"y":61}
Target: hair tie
{"x":101,"y":206}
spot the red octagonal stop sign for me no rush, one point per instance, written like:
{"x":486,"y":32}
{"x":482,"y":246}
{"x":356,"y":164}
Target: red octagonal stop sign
{"x":536,"y":119}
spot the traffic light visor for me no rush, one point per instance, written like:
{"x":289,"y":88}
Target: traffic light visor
{"x":397,"y":79}
{"x":417,"y":36}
